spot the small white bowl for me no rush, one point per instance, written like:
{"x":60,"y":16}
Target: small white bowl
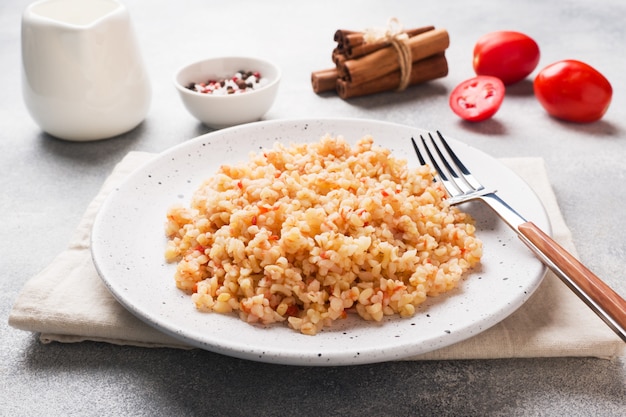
{"x":219,"y":111}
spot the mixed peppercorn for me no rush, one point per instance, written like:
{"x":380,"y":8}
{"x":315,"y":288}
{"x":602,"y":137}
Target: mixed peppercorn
{"x":240,"y":82}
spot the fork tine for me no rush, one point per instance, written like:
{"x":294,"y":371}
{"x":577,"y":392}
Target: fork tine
{"x":448,"y":184}
{"x":467,"y":175}
{"x":433,"y":161}
{"x":417,"y":151}
{"x":455,"y":178}
{"x":458,"y":181}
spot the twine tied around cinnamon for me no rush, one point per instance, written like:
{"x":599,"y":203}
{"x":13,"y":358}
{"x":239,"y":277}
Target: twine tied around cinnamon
{"x":395,"y":35}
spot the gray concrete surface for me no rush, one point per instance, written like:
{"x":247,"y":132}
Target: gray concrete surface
{"x":47,"y":183}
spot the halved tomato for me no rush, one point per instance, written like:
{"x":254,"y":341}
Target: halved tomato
{"x":478,"y":98}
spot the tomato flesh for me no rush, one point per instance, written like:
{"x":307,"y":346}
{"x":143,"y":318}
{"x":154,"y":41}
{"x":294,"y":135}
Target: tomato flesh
{"x":508,"y":55}
{"x":573,"y":91}
{"x":478,"y":98}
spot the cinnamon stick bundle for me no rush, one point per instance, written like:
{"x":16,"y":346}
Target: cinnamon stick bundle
{"x":370,"y":67}
{"x":422,"y":70}
{"x":385,"y":61}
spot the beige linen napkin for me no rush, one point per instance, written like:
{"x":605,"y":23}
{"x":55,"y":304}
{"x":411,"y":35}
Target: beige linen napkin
{"x":67,"y":301}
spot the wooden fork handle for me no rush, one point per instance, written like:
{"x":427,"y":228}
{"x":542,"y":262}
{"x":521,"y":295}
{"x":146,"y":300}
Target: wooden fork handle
{"x":604,"y":297}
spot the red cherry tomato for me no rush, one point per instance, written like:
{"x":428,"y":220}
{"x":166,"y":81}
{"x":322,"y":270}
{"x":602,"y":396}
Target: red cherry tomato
{"x":510,"y":56}
{"x":478,"y":98}
{"x":573,"y":91}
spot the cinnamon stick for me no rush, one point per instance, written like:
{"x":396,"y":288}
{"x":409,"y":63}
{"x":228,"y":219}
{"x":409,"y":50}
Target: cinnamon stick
{"x":338,"y":57}
{"x":324,"y":80}
{"x":423,"y":70}
{"x":364,"y":48}
{"x":353,"y":39}
{"x":340,"y":36}
{"x":385,"y":61}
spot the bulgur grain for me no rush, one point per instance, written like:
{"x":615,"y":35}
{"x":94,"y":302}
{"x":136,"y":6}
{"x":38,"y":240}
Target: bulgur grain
{"x":307,"y":232}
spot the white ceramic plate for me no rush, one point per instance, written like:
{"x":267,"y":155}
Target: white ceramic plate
{"x":128,"y":243}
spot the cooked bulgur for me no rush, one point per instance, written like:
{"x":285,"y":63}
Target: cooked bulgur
{"x":307,"y":232}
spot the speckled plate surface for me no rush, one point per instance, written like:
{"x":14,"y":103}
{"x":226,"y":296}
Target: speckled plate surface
{"x":128,"y":243}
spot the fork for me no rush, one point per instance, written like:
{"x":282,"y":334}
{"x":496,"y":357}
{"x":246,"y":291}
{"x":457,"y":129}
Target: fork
{"x":462,"y":186}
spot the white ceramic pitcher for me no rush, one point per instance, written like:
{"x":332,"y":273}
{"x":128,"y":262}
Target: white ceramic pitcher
{"x":83,"y":77}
